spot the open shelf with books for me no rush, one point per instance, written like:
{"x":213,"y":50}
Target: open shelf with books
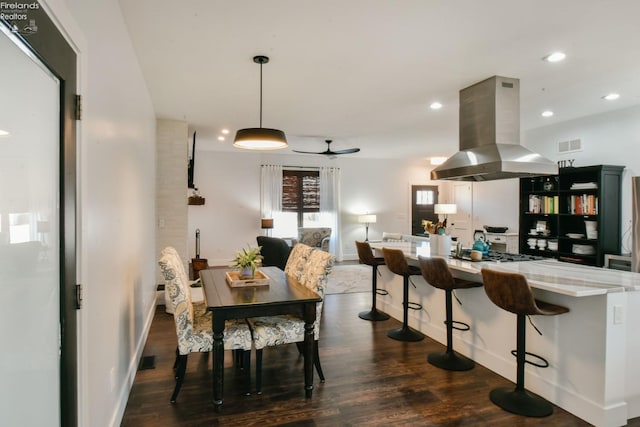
{"x":573,"y":216}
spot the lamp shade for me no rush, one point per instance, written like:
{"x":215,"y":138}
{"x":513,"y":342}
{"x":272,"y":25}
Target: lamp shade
{"x":444,"y":208}
{"x":266,"y":222}
{"x":367,"y":219}
{"x":260,"y":139}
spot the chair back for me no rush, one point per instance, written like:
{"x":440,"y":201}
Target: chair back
{"x":297,"y":260}
{"x":175,"y":280}
{"x":365,"y":254}
{"x":275,"y":251}
{"x":509,"y":291}
{"x":436,"y":272}
{"x":396,"y":261}
{"x":314,"y":276}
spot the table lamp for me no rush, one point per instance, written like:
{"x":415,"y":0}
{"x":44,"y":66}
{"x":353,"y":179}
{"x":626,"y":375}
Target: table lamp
{"x":266,"y":224}
{"x":444,"y":209}
{"x":366,"y":220}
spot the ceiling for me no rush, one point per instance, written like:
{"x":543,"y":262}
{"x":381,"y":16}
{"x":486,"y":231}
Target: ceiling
{"x":364,"y":72}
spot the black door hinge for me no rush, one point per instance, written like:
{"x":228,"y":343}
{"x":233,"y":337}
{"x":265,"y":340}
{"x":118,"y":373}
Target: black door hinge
{"x":78,"y":109}
{"x":78,"y":296}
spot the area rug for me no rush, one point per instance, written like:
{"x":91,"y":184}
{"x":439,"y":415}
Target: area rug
{"x":350,"y":278}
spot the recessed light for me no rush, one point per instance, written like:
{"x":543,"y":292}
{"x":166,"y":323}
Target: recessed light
{"x":555,"y":57}
{"x":435,"y":106}
{"x":611,"y":96}
{"x":4,"y":132}
{"x":221,"y":138}
{"x":547,"y":113}
{"x":225,"y":131}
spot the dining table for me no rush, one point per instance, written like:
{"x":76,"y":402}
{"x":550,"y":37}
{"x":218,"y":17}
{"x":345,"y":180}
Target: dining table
{"x":281,"y":294}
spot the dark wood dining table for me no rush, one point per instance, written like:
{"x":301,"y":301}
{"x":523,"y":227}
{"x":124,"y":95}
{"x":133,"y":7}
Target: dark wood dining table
{"x":283,"y":295}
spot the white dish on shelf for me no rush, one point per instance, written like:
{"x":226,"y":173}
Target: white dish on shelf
{"x":583,"y":249}
{"x":575,"y":235}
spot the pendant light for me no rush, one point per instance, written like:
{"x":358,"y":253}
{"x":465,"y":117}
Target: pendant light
{"x":260,"y":138}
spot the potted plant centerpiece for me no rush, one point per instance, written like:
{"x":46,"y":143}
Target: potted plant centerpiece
{"x":247,"y":261}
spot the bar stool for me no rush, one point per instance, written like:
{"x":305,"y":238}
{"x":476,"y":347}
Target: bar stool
{"x":511,"y":292}
{"x":436,"y":272}
{"x":366,"y":257}
{"x":397,"y":264}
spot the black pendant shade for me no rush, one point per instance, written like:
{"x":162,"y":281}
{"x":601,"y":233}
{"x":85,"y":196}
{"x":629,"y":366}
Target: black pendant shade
{"x":260,"y":138}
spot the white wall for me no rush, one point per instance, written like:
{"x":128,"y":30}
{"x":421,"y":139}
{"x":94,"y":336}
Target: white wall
{"x":116,"y":209}
{"x":611,"y":138}
{"x":230,"y":183}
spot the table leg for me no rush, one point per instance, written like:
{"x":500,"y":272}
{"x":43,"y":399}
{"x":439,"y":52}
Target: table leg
{"x":309,"y":319}
{"x":218,"y":361}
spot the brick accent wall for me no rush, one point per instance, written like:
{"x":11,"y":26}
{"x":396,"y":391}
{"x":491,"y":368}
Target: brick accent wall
{"x":171,"y":188}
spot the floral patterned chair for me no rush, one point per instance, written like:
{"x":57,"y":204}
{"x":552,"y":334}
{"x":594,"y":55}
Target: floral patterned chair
{"x":193,"y":322}
{"x":316,"y":237}
{"x":310,"y":267}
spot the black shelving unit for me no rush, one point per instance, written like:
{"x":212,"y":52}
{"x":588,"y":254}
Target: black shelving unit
{"x":556,"y":212}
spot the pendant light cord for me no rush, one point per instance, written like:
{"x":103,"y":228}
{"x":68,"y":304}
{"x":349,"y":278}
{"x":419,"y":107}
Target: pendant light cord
{"x":261,"y":94}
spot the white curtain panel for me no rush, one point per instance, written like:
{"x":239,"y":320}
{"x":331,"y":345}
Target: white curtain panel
{"x":270,"y":190}
{"x":330,"y":207}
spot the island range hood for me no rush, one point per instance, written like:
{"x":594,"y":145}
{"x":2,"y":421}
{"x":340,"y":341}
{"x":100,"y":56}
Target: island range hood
{"x":490,"y":136}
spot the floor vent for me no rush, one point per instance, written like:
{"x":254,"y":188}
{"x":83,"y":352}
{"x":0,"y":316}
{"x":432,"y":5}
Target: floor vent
{"x":147,"y":362}
{"x":569,"y":146}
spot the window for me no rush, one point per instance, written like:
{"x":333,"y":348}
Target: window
{"x":424,"y":197}
{"x":301,"y":197}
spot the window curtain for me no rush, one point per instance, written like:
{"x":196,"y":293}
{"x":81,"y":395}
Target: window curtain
{"x":270,"y":190}
{"x":330,"y":207}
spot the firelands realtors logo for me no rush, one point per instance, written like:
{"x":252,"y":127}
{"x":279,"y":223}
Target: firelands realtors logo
{"x":17,"y":14}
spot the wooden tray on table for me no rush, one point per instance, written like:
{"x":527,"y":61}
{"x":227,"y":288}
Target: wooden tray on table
{"x":234,"y":280}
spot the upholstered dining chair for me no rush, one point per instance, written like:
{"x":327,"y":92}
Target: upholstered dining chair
{"x":193,"y":322}
{"x":275,"y":251}
{"x":310,"y":267}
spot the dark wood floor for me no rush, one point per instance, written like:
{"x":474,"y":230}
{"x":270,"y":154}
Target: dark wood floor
{"x":371,"y":380}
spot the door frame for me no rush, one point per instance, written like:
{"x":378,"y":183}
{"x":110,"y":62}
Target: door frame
{"x":53,"y":50}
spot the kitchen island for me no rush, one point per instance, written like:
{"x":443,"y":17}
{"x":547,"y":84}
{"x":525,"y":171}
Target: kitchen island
{"x":592,"y":350}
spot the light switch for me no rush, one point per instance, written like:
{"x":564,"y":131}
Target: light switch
{"x":617,"y":314}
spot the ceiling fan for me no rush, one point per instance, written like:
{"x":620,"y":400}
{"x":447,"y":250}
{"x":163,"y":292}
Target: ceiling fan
{"x":329,"y":152}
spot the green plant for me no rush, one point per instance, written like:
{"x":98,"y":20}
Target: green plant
{"x":248,"y":258}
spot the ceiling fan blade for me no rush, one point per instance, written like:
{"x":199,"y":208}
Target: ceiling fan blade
{"x":347,"y":151}
{"x":307,"y":152}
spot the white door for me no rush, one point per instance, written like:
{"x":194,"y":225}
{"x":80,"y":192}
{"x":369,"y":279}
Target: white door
{"x":461,"y":195}
{"x":29,"y":239}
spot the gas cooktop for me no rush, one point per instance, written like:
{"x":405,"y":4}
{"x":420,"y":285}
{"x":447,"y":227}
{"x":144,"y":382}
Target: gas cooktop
{"x":500,"y":256}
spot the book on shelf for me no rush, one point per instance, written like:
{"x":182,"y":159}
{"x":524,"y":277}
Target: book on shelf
{"x":544,"y":204}
{"x":584,"y":204}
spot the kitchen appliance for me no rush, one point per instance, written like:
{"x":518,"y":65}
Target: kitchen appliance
{"x":491,"y":229}
{"x":489,"y":129}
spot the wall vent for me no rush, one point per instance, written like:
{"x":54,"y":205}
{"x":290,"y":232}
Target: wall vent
{"x":569,"y":146}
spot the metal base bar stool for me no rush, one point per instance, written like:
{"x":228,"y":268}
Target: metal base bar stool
{"x":397,"y":264}
{"x":511,"y":292}
{"x":366,"y":257}
{"x":436,"y":272}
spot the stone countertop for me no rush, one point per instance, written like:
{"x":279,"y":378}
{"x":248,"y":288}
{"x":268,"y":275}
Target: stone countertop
{"x":550,"y":275}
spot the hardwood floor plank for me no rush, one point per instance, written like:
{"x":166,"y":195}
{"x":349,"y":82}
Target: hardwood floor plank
{"x":372,"y":380}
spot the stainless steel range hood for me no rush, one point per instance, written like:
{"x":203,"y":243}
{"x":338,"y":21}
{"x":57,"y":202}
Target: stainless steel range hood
{"x":490,"y":136}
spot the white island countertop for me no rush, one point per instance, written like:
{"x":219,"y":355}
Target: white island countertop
{"x":549,"y":274}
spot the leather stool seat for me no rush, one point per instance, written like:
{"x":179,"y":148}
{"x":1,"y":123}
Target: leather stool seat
{"x":365,"y":254}
{"x":436,"y":272}
{"x":397,"y":264}
{"x":511,"y":292}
